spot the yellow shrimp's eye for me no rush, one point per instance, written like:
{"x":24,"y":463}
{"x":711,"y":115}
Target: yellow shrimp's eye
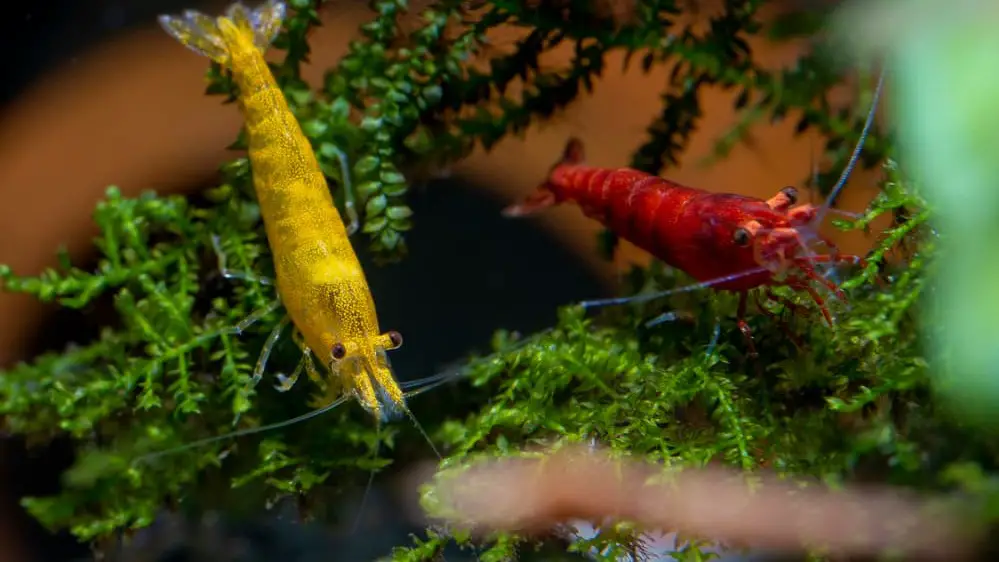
{"x":395,"y":338}
{"x":791,"y":193}
{"x":741,"y":237}
{"x":338,"y":351}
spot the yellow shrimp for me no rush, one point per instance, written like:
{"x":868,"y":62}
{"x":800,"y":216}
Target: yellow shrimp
{"x":318,"y":277}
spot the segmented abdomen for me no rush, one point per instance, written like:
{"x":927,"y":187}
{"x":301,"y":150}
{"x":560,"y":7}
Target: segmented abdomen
{"x":641,"y":208}
{"x":295,"y":202}
{"x":319,"y":278}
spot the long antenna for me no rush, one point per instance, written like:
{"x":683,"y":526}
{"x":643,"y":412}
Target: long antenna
{"x":248,"y":431}
{"x":423,"y":432}
{"x":409,"y":413}
{"x":639,"y":298}
{"x":416,"y":387}
{"x":367,"y":489}
{"x":856,"y":151}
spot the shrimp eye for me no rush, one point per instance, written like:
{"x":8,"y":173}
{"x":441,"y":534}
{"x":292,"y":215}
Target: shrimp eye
{"x":791,"y":193}
{"x":740,"y":237}
{"x":339,"y":351}
{"x":395,"y":338}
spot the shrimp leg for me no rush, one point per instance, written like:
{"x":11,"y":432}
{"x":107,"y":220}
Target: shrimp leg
{"x":230,"y":274}
{"x":310,"y":367}
{"x":798,"y":284}
{"x":788,"y":305}
{"x":272,"y":338}
{"x":783,"y":301}
{"x":245,"y":323}
{"x":265,"y":352}
{"x":286,"y":383}
{"x":275,"y":335}
{"x":349,"y":203}
{"x":241,"y":327}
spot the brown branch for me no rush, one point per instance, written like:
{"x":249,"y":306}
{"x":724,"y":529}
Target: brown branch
{"x":532,"y":495}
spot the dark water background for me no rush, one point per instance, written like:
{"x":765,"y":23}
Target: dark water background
{"x":470,"y":271}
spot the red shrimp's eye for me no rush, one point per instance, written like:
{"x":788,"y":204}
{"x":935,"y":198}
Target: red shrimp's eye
{"x":338,"y":351}
{"x":395,"y":338}
{"x":791,"y":193}
{"x":741,"y":237}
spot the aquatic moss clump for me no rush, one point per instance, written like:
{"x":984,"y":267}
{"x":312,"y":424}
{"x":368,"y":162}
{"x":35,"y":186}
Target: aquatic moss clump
{"x":852,"y":402}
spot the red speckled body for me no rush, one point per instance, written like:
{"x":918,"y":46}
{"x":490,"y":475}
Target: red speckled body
{"x":689,"y":229}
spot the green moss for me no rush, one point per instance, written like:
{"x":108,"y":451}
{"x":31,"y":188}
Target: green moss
{"x":678,"y":392}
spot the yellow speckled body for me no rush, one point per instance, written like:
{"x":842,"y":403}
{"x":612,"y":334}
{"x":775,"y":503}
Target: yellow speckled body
{"x":318,"y":276}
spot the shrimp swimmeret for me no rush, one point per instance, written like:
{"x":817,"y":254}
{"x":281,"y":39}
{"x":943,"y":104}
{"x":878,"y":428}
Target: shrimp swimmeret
{"x":319,"y":279}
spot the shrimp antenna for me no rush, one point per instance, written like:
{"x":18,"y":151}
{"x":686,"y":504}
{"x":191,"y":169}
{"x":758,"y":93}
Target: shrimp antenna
{"x":419,"y":427}
{"x":416,"y":387}
{"x":249,"y":431}
{"x":658,"y":295}
{"x":349,"y":204}
{"x":856,"y":151}
{"x":814,"y":164}
{"x":409,"y":414}
{"x":367,"y":489}
{"x":852,"y":163}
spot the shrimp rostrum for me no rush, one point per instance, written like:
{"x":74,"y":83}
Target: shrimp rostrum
{"x":726,"y":241}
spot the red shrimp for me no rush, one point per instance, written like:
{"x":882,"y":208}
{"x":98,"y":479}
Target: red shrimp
{"x":730,"y":242}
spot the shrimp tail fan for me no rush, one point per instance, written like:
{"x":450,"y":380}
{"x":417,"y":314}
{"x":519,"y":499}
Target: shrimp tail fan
{"x":544,"y":197}
{"x":212,"y":36}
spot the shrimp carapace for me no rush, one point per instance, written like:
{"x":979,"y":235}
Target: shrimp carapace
{"x":730,"y":242}
{"x":318,"y":276}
